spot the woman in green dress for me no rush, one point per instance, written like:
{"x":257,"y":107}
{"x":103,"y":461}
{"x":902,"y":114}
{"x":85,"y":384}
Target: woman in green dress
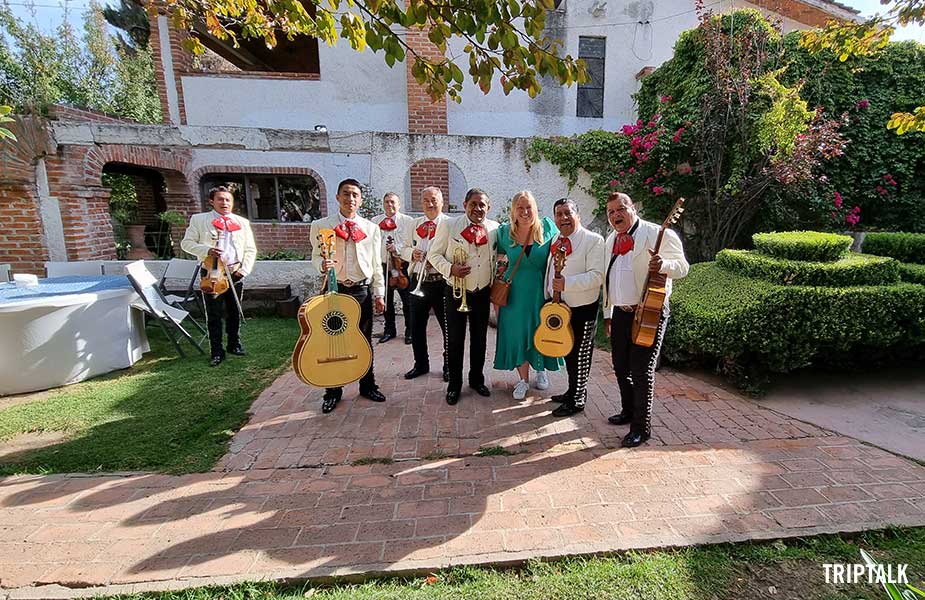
{"x":517,"y":321}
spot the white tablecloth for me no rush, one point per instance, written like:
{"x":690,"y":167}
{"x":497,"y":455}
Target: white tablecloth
{"x":66,"y":330}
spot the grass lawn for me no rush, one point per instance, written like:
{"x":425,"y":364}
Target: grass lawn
{"x":164,"y":414}
{"x":788,"y":570}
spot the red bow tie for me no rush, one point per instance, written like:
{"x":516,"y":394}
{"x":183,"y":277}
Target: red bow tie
{"x":475,"y":234}
{"x":563,"y":242}
{"x":387,"y":224}
{"x":349,"y":230}
{"x":426,"y":230}
{"x":622,"y":244}
{"x":225,"y":224}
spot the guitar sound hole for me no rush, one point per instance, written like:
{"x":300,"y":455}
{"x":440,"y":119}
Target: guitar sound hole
{"x":334,"y":323}
{"x":554,"y":322}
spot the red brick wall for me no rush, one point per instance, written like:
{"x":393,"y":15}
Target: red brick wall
{"x":147,"y":203}
{"x":424,"y":114}
{"x":793,"y":9}
{"x":426,"y":173}
{"x":182,"y":60}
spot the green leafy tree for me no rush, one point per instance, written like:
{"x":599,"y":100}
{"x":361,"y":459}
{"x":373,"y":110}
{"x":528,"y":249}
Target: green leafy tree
{"x":846,"y":40}
{"x":500,"y":37}
{"x":4,"y":132}
{"x":130,"y":17}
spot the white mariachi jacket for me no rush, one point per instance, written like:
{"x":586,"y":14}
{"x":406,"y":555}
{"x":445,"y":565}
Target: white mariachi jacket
{"x":481,"y":258}
{"x":414,"y":241}
{"x":368,"y":249}
{"x":403,"y":223}
{"x":584,"y":268}
{"x":673,"y":262}
{"x":201,"y":235}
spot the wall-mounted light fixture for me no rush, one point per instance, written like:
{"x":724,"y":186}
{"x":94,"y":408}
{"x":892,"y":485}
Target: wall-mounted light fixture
{"x":321,"y":129}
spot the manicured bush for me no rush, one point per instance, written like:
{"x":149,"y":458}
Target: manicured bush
{"x":803,"y":245}
{"x":750,"y":328}
{"x":853,"y":269}
{"x":912,"y":273}
{"x":905,"y":247}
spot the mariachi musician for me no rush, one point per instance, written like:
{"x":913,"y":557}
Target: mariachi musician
{"x":426,"y":283}
{"x":463,"y":251}
{"x":222,"y":234}
{"x":629,"y":248}
{"x":396,"y":226}
{"x":357,"y":245}
{"x":580,"y":289}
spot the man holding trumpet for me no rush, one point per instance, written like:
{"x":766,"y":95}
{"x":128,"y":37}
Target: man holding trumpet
{"x":463,"y":251}
{"x":426,"y":283}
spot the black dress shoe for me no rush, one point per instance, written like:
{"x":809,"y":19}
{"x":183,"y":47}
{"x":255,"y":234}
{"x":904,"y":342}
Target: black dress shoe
{"x":416,"y":372}
{"x":560,"y":398}
{"x":407,"y":339}
{"x":620,"y":419}
{"x":237,"y":351}
{"x":452,"y":398}
{"x":633,"y":439}
{"x":216,"y":360}
{"x":385,"y":337}
{"x":374,"y":394}
{"x":446,"y":374}
{"x":481,"y":390}
{"x":567,"y":410}
{"x":329,"y":401}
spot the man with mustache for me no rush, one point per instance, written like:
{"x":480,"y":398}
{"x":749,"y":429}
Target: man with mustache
{"x":580,"y":287}
{"x":475,"y":236}
{"x":631,"y":257}
{"x":394,"y":227}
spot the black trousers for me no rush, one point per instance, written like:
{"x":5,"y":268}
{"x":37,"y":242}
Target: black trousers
{"x":479,"y":307}
{"x":578,"y":361}
{"x":224,"y":307}
{"x":420,"y":316}
{"x":634,"y":367}
{"x":362,"y":295}
{"x":390,"y":301}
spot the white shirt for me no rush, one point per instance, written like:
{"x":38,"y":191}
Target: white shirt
{"x":348,"y":268}
{"x":622,"y":282}
{"x":419,"y":243}
{"x":403,"y":223}
{"x":229,"y":252}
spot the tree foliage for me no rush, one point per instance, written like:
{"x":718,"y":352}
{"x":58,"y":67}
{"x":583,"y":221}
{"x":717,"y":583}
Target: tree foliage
{"x":4,"y":132}
{"x":88,"y":70}
{"x":499,"y":37}
{"x":851,"y":40}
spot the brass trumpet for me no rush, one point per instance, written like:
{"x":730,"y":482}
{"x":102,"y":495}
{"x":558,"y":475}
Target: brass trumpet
{"x":460,"y":257}
{"x":417,"y":288}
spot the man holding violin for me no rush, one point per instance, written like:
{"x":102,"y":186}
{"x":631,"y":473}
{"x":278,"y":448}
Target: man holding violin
{"x":394,"y":226}
{"x":226,"y":236}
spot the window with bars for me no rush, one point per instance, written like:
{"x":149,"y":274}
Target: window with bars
{"x":284,"y":198}
{"x":593,"y":51}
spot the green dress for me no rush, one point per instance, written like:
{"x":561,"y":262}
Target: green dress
{"x":519,"y":319}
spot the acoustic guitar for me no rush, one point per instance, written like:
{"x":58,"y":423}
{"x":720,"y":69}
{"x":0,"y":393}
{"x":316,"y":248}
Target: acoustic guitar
{"x":331,"y":350}
{"x":553,"y":337}
{"x":649,"y":312}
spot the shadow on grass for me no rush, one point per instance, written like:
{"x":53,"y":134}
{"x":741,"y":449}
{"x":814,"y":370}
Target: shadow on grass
{"x":164,"y":414}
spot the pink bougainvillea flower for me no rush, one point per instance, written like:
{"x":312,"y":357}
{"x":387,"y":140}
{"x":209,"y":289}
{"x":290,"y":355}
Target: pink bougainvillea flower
{"x":665,"y":99}
{"x":862,"y":103}
{"x":838,"y":200}
{"x":677,"y":134}
{"x":658,"y":190}
{"x":614,"y":183}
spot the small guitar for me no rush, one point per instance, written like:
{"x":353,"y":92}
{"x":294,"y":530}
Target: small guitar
{"x":649,"y":312}
{"x":331,"y":350}
{"x":553,"y":337}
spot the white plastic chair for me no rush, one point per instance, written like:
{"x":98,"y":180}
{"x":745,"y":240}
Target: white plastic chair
{"x":184,"y":271}
{"x":6,"y":273}
{"x":84,"y":267}
{"x":153,"y":303}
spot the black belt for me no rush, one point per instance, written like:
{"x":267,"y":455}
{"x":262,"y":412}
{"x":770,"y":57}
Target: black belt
{"x":431,"y":277}
{"x":349,"y":283}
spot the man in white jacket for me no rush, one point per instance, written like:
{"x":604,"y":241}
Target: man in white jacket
{"x":580,"y":289}
{"x":224,"y":234}
{"x":630,"y":256}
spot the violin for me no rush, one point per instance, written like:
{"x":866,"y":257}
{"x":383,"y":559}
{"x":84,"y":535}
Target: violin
{"x":397,"y":277}
{"x":215,"y":281}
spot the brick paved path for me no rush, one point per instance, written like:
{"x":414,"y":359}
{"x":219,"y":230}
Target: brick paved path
{"x":288,"y":502}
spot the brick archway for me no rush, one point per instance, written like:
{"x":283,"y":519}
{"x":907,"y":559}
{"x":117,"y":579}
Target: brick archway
{"x":439,"y":172}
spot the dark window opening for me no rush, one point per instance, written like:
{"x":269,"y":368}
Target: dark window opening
{"x":593,"y":51}
{"x":288,"y":199}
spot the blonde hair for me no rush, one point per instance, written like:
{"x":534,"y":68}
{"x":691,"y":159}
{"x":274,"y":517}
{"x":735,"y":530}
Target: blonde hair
{"x":537,"y":226}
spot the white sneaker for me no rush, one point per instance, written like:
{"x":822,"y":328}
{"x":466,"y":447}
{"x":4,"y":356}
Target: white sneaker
{"x":542,"y":381}
{"x":520,"y":390}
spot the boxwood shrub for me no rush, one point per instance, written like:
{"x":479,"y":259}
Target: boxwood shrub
{"x":853,"y":269}
{"x":803,"y":245}
{"x":905,"y":247}
{"x":751,"y":328}
{"x":912,"y":273}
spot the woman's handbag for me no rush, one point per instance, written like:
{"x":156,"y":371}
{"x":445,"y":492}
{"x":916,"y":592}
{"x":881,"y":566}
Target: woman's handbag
{"x":500,"y":289}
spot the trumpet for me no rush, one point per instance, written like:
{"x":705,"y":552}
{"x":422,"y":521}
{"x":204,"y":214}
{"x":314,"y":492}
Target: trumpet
{"x":460,"y":257}
{"x":417,"y":288}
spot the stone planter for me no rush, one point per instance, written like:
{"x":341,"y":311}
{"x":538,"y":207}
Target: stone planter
{"x":136,"y":237}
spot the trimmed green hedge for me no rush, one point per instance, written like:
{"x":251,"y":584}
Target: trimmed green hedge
{"x":803,"y":245}
{"x":853,"y":269}
{"x":751,"y":328}
{"x":905,"y":247}
{"x":912,"y":273}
